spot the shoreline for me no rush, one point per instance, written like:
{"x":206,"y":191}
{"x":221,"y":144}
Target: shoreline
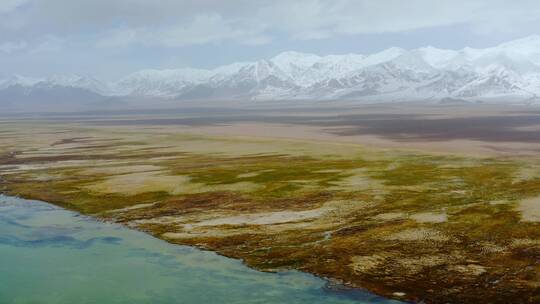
{"x":331,"y":284}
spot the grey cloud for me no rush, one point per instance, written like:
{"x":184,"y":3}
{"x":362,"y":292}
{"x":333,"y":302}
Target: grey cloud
{"x":12,"y":46}
{"x":94,"y":31}
{"x":7,"y":6}
{"x":203,"y":29}
{"x":178,"y":23}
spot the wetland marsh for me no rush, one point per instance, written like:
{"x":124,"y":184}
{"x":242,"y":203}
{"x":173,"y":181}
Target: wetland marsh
{"x":403,"y":223}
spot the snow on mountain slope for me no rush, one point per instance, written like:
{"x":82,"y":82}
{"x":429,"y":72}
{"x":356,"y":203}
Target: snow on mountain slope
{"x":163,"y":83}
{"x":527,"y":48}
{"x":294,"y":63}
{"x":72,"y":81}
{"x":510,"y":70}
{"x":76,"y":81}
{"x":435,"y":57}
{"x":57,"y":93}
{"x":383,"y":56}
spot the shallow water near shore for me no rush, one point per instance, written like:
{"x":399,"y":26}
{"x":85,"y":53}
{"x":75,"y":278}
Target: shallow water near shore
{"x":50,"y":255}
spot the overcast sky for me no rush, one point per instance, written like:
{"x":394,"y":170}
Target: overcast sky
{"x":109,"y":38}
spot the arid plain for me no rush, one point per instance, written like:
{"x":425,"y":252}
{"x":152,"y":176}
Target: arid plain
{"x":434,"y":203}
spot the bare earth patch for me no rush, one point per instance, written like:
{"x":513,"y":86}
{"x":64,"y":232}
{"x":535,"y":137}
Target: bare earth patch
{"x":471,"y":269}
{"x":155,"y":181}
{"x":364,"y":264}
{"x":390,"y":216}
{"x":121,"y":169}
{"x":249,"y":174}
{"x":355,"y":180}
{"x":429,"y":217}
{"x":268,"y":218}
{"x":416,"y":265}
{"x":418,"y":234}
{"x":134,"y":207}
{"x":530,"y":209}
{"x":141,"y":182}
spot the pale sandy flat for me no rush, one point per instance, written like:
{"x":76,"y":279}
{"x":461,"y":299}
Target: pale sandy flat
{"x":355,"y":180}
{"x":366,"y":263}
{"x":417,"y":264}
{"x":471,"y":269}
{"x":134,"y":207}
{"x":267,"y":218}
{"x":121,"y":169}
{"x":247,"y":175}
{"x":418,"y":234}
{"x":530,"y":209}
{"x":390,"y":216}
{"x":156,"y":181}
{"x":429,"y":217}
{"x":289,"y":131}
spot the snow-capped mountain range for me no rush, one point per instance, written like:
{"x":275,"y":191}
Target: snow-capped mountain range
{"x":508,"y":72}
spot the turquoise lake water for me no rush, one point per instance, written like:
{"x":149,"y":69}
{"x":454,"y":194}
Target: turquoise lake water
{"x":50,"y":255}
